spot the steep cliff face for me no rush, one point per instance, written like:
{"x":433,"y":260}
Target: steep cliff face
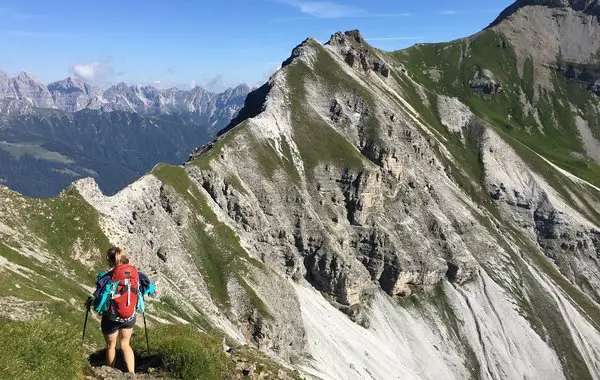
{"x":421,"y":214}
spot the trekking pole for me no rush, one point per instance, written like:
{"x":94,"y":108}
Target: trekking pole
{"x":146,"y":331}
{"x":88,"y":303}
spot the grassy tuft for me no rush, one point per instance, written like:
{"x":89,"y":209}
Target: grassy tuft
{"x":184,"y":352}
{"x":45,"y":350}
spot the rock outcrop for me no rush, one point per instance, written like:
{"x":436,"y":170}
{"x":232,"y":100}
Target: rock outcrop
{"x":357,"y":53}
{"x":484,"y":82}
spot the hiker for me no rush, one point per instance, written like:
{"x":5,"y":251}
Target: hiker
{"x":119,"y":294}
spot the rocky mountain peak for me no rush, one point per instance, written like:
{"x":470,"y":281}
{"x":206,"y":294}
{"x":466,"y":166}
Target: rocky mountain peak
{"x":242,"y":88}
{"x":299,"y":50}
{"x":74,"y":81}
{"x":29,"y":81}
{"x":26,"y":87}
{"x":74,"y":94}
{"x":358,"y":53}
{"x":591,"y":7}
{"x":351,"y":35}
{"x":70,"y":83}
{"x":25,"y":76}
{"x":238,"y":91}
{"x":557,"y":36}
{"x":121,"y":86}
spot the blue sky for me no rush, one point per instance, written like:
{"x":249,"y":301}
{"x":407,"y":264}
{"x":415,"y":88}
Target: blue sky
{"x":211,"y":43}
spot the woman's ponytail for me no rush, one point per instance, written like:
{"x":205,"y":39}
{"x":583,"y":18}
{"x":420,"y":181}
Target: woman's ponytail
{"x":116,"y":256}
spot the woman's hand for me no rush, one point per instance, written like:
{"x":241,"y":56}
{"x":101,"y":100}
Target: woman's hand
{"x":89,"y":302}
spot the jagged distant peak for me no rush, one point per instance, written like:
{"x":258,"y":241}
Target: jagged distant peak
{"x":243,"y":86}
{"x":69,"y":82}
{"x":241,"y":89}
{"x":591,"y":7}
{"x":27,"y":76}
{"x":120,"y":85}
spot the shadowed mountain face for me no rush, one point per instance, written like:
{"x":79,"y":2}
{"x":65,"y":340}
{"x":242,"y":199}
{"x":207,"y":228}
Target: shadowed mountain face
{"x":430,"y":213}
{"x":41,"y":153}
{"x":52,"y":135}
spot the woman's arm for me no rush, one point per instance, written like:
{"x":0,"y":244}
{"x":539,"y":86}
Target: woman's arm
{"x":146,"y":286}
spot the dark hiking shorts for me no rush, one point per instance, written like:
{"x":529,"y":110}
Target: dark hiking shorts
{"x":109,"y":326}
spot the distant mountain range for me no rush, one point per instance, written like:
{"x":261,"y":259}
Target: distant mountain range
{"x":53,"y":134}
{"x":73,"y":94}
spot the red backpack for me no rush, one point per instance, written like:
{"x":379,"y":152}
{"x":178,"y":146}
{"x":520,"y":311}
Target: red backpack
{"x":125,"y":295}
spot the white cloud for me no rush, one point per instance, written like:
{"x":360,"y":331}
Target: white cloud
{"x":404,"y":14}
{"x":93,"y":71}
{"x":324,"y":9}
{"x":331,"y":9}
{"x":451,"y":12}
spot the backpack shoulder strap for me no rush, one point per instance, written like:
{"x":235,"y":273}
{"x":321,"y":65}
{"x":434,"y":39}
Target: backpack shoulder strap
{"x":102,"y":275}
{"x":102,"y":280}
{"x":104,"y":289}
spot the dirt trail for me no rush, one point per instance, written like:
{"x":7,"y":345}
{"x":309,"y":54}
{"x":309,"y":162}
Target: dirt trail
{"x":145,"y":369}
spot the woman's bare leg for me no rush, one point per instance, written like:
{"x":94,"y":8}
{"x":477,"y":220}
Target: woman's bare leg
{"x":111,"y":345}
{"x":124,"y":337}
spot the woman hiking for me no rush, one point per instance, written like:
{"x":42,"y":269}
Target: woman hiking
{"x":119,"y":294}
